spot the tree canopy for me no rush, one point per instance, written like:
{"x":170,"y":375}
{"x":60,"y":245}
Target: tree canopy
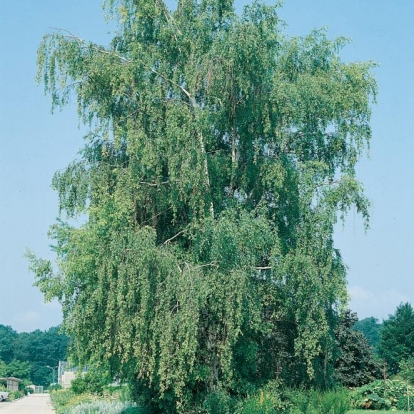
{"x":8,"y":337}
{"x":396,"y":343}
{"x":27,"y":355}
{"x":221,"y":154}
{"x":356,"y":364}
{"x":371,"y":328}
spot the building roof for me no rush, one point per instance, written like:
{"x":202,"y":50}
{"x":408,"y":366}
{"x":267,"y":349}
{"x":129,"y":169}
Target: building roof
{"x":10,"y":379}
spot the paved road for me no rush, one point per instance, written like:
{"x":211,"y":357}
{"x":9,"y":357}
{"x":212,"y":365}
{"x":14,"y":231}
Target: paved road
{"x":32,"y":404}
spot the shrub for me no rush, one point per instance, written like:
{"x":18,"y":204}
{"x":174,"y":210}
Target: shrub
{"x":67,"y":402}
{"x":79,"y":385}
{"x":14,"y":395}
{"x":405,"y":403}
{"x":134,"y":410}
{"x":93,"y":381}
{"x":218,"y":402}
{"x":267,"y":401}
{"x":407,"y":370}
{"x":356,"y":364}
{"x":28,"y":390}
{"x":299,"y":399}
{"x":317,"y":402}
{"x":104,"y":407}
{"x":62,"y":400}
{"x":334,"y":402}
{"x":262,"y":404}
{"x":54,"y":387}
{"x":381,"y":394}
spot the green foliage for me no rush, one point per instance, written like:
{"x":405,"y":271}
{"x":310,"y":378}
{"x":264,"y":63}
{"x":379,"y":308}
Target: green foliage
{"x":370,"y":328}
{"x":30,"y":390}
{"x":79,"y":385}
{"x":67,"y":402}
{"x":3,"y":369}
{"x":274,"y":398}
{"x":269,"y":400}
{"x":356,"y":364}
{"x":333,"y":402}
{"x":18,"y":369}
{"x":265,"y":401}
{"x":8,"y":338}
{"x":396,"y":342}
{"x":373,"y":411}
{"x":42,"y":349}
{"x":93,"y":381}
{"x":405,"y":403}
{"x":62,"y":400}
{"x":218,"y":402}
{"x":104,"y":407}
{"x":14,"y":395}
{"x":134,"y":410}
{"x":336,"y":401}
{"x":381,"y":394}
{"x":406,"y":370}
{"x":15,"y":368}
{"x":28,"y":354}
{"x":220,"y":155}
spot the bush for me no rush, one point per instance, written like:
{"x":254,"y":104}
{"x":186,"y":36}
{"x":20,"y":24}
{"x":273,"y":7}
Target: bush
{"x":403,"y":403}
{"x":93,"y":381}
{"x":54,"y":387}
{"x":218,"y":402}
{"x":317,"y":402}
{"x":407,"y":370}
{"x":262,"y":403}
{"x":104,"y":407}
{"x":14,"y":395}
{"x":134,"y":410}
{"x":28,"y":390}
{"x":267,"y":401}
{"x":63,"y":400}
{"x":381,"y":395}
{"x":334,"y":402}
{"x":274,"y":400}
{"x":79,"y":385}
{"x":299,"y":399}
{"x":67,"y":402}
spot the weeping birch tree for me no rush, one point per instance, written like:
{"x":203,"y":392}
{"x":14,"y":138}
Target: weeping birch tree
{"x":221,"y":153}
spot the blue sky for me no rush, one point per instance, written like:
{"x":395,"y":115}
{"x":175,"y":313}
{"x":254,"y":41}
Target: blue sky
{"x":35,"y":143}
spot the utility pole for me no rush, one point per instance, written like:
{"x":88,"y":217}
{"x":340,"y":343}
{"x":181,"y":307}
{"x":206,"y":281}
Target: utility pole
{"x":53,"y":374}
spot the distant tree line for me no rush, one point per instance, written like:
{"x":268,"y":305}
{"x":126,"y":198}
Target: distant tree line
{"x":392,"y":341}
{"x":371,"y":329}
{"x":396,"y":340}
{"x":28,"y":356}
